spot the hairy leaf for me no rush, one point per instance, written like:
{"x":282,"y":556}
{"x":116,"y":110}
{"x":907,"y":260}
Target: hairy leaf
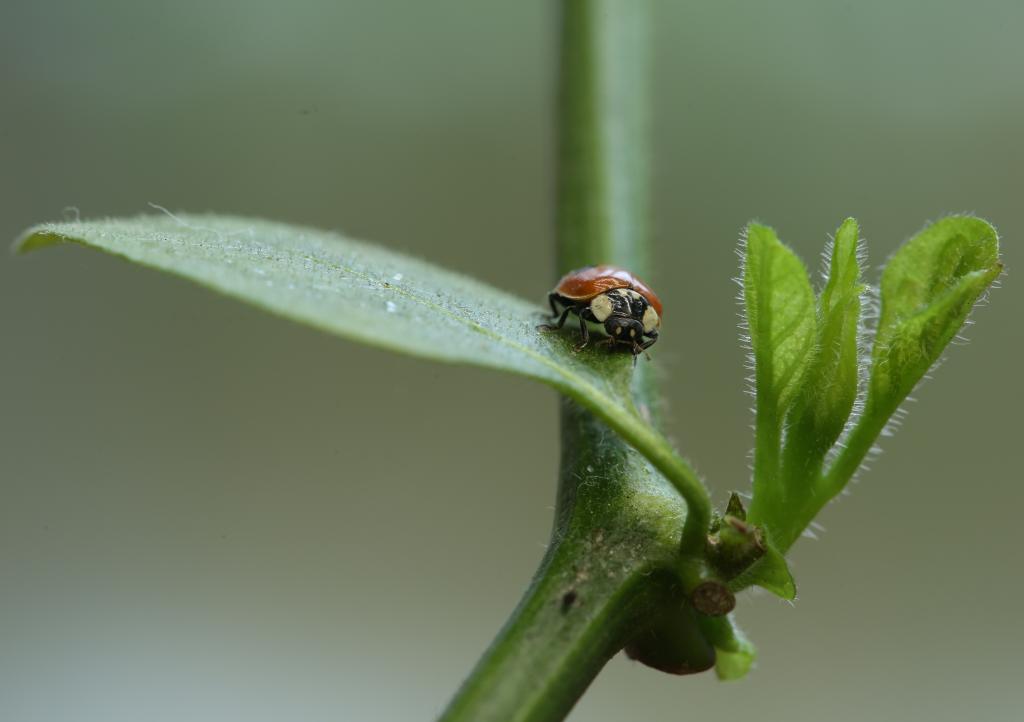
{"x":382,"y":298}
{"x":928,"y":288}
{"x":780,"y":317}
{"x":829,"y":386}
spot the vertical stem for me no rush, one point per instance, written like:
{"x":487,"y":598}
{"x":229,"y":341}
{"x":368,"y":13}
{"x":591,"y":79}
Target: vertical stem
{"x":612,"y":564}
{"x":605,"y":577}
{"x":604,"y":165}
{"x":603,"y":135}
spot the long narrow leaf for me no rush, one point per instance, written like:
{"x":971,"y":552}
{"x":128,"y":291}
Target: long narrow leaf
{"x":781,"y":320}
{"x":382,"y":298}
{"x":829,"y":386}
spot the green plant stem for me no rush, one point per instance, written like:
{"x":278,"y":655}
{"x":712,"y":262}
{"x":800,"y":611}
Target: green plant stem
{"x":544,"y":660}
{"x":605,"y":575}
{"x":675,"y":469}
{"x":604,"y":183}
{"x":613,"y":565}
{"x":856,"y":447}
{"x":603,"y":135}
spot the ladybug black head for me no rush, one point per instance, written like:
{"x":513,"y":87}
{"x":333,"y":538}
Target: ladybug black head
{"x":624,"y":329}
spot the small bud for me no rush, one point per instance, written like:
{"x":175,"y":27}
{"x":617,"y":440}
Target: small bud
{"x":735,"y":507}
{"x":734,"y":544}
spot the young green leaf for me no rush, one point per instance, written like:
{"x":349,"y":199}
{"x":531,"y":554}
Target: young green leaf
{"x":928,"y":288}
{"x":781,"y":321}
{"x":829,"y":386}
{"x":375,"y":296}
{"x":769,"y":572}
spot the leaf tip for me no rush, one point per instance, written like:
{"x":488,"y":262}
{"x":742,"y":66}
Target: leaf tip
{"x":755,"y":230}
{"x":36,"y":237}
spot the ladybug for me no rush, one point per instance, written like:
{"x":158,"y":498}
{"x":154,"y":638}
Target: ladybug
{"x":626,"y":306}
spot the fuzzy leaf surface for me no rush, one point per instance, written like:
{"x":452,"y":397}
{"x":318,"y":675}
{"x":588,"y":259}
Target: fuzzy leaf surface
{"x":781,"y":321}
{"x":829,"y":386}
{"x":780,"y":315}
{"x":928,"y":288}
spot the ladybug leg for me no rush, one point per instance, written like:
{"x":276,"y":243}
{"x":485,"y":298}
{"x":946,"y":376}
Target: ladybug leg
{"x":552,"y":297}
{"x":585,"y":333}
{"x":558,"y":324}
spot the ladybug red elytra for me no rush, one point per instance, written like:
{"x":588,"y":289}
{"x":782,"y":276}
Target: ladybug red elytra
{"x":629,"y":310}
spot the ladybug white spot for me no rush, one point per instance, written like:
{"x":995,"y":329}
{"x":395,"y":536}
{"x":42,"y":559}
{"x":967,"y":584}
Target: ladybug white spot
{"x":651,"y":319}
{"x":601,"y":307}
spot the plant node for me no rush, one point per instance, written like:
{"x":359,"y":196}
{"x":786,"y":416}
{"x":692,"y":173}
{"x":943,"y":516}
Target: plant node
{"x":734,"y":543}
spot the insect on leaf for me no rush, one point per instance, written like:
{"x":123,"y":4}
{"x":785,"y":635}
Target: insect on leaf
{"x":381,"y":298}
{"x":352,"y":289}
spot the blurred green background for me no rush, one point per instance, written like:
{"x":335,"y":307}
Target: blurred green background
{"x":210,"y":514}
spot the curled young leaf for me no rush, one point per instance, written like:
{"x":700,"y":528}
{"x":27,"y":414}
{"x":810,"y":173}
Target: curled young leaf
{"x":928,"y":288}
